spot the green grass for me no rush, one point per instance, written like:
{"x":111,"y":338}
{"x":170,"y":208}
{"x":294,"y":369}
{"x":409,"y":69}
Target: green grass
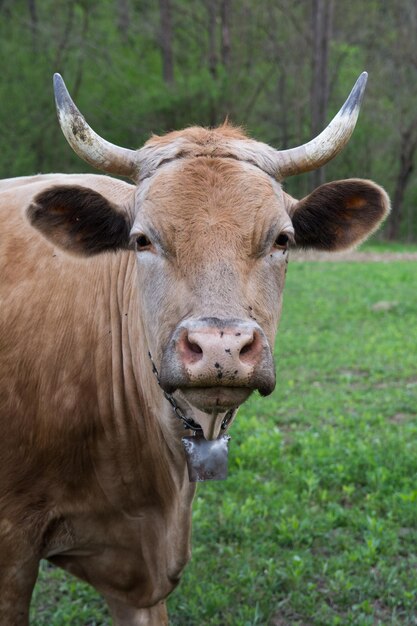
{"x":374,"y":245}
{"x":317,"y":522}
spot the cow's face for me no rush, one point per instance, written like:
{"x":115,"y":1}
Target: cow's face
{"x":210,"y":227}
{"x":211,"y":238}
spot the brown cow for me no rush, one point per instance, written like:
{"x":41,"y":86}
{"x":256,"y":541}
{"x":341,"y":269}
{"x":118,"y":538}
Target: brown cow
{"x":187,"y":267}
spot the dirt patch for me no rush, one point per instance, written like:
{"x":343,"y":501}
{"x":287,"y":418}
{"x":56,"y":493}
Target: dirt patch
{"x":401,"y":418}
{"x":352,"y":256}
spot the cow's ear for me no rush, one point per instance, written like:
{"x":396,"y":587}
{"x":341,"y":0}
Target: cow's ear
{"x":339,"y":215}
{"x":79,"y":220}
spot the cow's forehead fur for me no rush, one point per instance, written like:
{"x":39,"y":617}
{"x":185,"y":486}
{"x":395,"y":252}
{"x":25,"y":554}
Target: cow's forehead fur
{"x":225,"y":141}
{"x":203,"y":206}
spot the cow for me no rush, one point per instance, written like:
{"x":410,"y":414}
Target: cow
{"x":132,"y":314}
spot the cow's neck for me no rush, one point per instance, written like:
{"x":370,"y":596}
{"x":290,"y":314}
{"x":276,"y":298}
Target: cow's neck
{"x":140,"y":457}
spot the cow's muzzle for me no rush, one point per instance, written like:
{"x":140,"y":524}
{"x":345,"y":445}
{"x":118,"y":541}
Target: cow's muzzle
{"x":217,"y":363}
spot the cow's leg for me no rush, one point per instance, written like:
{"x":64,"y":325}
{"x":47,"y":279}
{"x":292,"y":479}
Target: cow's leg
{"x":17,"y":579}
{"x":124,"y":615}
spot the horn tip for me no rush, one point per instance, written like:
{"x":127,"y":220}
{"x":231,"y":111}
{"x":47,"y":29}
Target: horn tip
{"x":354,"y":101}
{"x":62,"y":98}
{"x":362,"y":80}
{"x":58,"y":81}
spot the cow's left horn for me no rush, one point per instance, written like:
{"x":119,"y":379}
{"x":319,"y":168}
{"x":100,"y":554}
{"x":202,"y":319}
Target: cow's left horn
{"x":98,"y":152}
{"x":329,"y":143}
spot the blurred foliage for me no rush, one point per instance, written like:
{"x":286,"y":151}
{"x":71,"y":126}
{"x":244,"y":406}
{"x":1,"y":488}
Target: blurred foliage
{"x":253,"y":66}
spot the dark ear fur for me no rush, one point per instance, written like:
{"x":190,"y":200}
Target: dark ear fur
{"x":339,"y":215}
{"x":80,"y":220}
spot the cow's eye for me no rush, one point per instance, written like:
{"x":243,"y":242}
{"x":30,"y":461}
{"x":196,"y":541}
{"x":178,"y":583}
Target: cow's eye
{"x":142,"y":242}
{"x":282,"y":241}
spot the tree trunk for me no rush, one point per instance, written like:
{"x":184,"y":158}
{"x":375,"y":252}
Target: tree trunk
{"x":165,"y":12}
{"x":283,"y":117}
{"x":212,"y":53}
{"x":64,"y":43}
{"x":408,"y":148}
{"x":212,"y":9}
{"x":321,"y":23}
{"x":33,"y":22}
{"x":123,"y":18}
{"x":225,"y":14}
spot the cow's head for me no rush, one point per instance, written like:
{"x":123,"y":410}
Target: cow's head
{"x":211,"y":228}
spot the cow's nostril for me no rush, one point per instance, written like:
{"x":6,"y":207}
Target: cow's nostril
{"x":249,"y":350}
{"x":246,"y":348}
{"x":193,"y":347}
{"x":191,"y":351}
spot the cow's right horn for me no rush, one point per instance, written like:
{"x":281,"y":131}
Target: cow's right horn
{"x":98,"y":152}
{"x":329,"y":143}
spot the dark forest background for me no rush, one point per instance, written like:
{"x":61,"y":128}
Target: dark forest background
{"x":280,"y":68}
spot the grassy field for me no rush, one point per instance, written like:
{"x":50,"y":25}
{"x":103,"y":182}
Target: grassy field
{"x":317,"y":522}
{"x":374,"y":245}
